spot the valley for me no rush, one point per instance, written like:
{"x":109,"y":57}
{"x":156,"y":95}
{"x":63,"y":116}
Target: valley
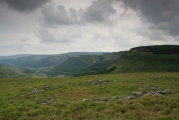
{"x":159,"y":58}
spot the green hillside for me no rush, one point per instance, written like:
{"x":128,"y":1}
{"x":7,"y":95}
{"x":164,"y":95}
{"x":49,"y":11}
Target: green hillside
{"x":159,"y":58}
{"x":159,"y":49}
{"x":13,"y":57}
{"x":86,"y":65}
{"x":26,"y":61}
{"x":36,"y":61}
{"x":10,"y":72}
{"x":102,"y":65}
{"x":162,"y":58}
{"x":74,"y":65}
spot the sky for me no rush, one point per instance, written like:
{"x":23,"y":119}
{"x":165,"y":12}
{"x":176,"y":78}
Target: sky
{"x":61,"y":26}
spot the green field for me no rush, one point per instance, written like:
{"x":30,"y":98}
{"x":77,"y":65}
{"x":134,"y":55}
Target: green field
{"x":100,"y":97}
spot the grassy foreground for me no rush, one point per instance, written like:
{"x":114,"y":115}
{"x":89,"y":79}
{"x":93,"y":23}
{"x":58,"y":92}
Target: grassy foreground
{"x":90,"y":97}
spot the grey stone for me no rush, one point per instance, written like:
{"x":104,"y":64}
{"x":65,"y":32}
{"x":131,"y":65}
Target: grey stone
{"x":130,"y":97}
{"x":117,"y":98}
{"x":46,"y":87}
{"x":166,"y":92}
{"x":97,"y":82}
{"x":136,"y":94}
{"x":86,"y":100}
{"x":104,"y":99}
{"x":35,"y":90}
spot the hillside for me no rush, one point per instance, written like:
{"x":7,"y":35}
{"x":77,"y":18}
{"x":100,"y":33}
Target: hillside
{"x":36,"y":61}
{"x":163,"y":58}
{"x":159,"y":58}
{"x":159,"y":49}
{"x":12,"y":56}
{"x":10,"y":72}
{"x":102,"y":65}
{"x":74,"y":65}
{"x":86,"y":65}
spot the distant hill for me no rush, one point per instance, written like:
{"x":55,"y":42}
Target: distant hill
{"x":10,"y":72}
{"x":12,"y":56}
{"x":102,"y":66}
{"x":86,"y":64}
{"x":159,"y":49}
{"x":74,"y":65}
{"x":36,"y":61}
{"x":160,"y":58}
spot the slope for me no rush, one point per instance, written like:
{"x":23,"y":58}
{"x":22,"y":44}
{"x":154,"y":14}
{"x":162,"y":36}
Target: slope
{"x":161,"y":58}
{"x":103,"y":64}
{"x":13,"y":56}
{"x":36,"y":61}
{"x":74,"y":65}
{"x":10,"y":72}
{"x":86,"y":65}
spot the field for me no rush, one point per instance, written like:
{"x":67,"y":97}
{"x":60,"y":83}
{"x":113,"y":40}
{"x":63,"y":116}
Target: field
{"x":124,"y":96}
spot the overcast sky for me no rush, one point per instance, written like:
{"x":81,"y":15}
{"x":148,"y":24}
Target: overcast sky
{"x":60,"y":26}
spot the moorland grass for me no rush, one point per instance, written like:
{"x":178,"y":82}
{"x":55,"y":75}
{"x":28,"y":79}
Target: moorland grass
{"x":18,"y":100}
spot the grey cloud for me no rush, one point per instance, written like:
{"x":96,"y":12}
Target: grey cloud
{"x":98,"y":36}
{"x":99,"y":11}
{"x":47,"y":37}
{"x":164,"y":14}
{"x":76,"y":16}
{"x":73,"y":13}
{"x":55,"y":15}
{"x":25,"y":39}
{"x":24,"y":5}
{"x":153,"y":34}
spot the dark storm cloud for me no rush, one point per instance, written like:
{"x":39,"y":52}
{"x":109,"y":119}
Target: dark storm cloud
{"x":24,"y":5}
{"x":164,"y":14}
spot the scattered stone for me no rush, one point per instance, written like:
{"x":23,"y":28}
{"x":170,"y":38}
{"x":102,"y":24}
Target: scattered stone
{"x":166,"y":92}
{"x":46,"y":87}
{"x":104,"y":99}
{"x":43,"y":102}
{"x":48,"y":102}
{"x":136,"y":94}
{"x":133,"y":95}
{"x":90,"y":82}
{"x":97,"y":82}
{"x":35,"y":90}
{"x":147,"y":94}
{"x":130,"y":97}
{"x":96,"y":99}
{"x":117,"y":98}
{"x":86,"y":100}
